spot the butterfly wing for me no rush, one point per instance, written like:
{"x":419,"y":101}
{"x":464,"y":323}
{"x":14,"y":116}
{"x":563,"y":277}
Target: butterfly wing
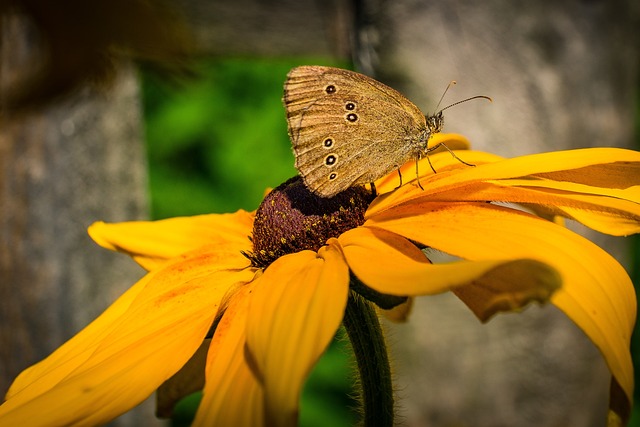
{"x":346,"y":128}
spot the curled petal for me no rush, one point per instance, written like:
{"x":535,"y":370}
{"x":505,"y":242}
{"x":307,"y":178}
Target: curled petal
{"x":295,"y":311}
{"x":509,"y":287}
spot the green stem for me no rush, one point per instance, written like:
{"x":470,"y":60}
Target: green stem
{"x":364,"y":331}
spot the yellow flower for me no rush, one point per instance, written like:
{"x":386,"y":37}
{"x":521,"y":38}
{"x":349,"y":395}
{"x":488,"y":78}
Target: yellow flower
{"x":277,"y":301}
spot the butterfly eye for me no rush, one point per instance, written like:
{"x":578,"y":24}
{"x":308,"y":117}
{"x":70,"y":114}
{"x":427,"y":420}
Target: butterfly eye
{"x":328,"y":143}
{"x":350,"y":106}
{"x":330,"y":160}
{"x":352,"y":117}
{"x":330,"y":89}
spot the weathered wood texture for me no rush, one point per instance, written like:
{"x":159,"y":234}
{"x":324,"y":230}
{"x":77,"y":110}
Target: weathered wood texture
{"x":75,"y":162}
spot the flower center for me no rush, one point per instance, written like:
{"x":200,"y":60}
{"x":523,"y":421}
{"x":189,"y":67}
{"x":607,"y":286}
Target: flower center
{"x":291,"y":219}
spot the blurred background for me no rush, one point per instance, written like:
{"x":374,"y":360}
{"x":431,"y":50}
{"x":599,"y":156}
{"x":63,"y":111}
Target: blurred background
{"x":137,"y":109}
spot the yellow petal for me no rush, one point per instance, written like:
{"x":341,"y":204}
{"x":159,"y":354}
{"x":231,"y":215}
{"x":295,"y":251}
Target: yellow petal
{"x":121,"y":358}
{"x":630,"y":193}
{"x":612,"y":168}
{"x":295,"y":311}
{"x":392,"y":265}
{"x":232,"y":396}
{"x":609,"y":222}
{"x":151,"y":243}
{"x":596,"y":294}
{"x":612,"y":211}
{"x":597,"y":167}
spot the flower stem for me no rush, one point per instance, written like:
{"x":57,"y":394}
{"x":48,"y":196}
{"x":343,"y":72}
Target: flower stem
{"x":364,"y":331}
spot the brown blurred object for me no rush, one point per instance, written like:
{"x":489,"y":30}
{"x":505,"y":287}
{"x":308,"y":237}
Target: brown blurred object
{"x":71,"y":153}
{"x":76,"y":42}
{"x":270,"y":28}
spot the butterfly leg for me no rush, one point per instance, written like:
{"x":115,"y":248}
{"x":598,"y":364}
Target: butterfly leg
{"x":417,"y":173}
{"x":399,"y":177}
{"x":442,"y":144}
{"x":374,"y":192}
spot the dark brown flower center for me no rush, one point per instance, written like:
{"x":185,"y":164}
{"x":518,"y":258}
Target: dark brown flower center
{"x":291,"y":219}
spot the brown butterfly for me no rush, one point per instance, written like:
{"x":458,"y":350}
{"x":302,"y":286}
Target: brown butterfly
{"x":348,"y":129}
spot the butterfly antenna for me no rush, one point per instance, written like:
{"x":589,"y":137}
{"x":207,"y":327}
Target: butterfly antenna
{"x":451,"y":83}
{"x":465,"y":100}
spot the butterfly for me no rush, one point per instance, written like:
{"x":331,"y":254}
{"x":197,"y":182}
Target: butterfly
{"x":348,"y":129}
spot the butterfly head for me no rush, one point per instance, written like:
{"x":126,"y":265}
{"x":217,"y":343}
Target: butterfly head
{"x":435,"y":122}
